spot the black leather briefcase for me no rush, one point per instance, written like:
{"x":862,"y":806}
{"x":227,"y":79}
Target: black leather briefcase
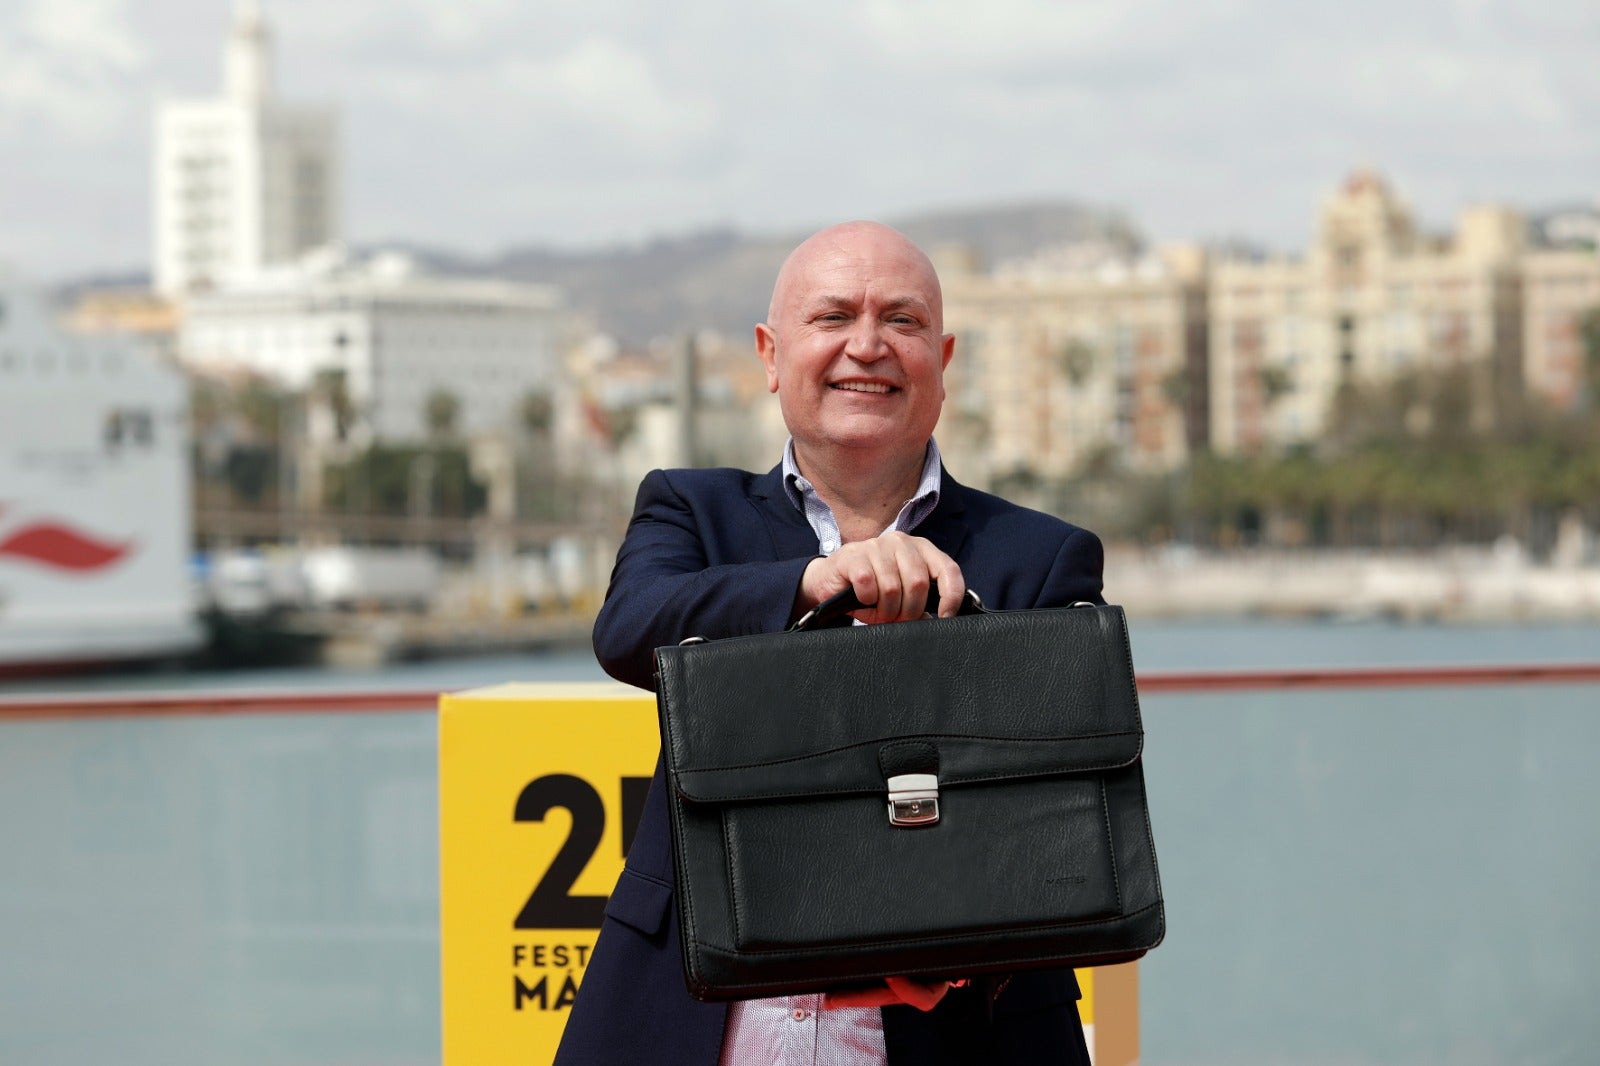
{"x":937,"y":799}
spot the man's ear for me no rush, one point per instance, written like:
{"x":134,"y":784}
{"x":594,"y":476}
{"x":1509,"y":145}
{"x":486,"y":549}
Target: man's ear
{"x":947,"y":348}
{"x":767,"y":349}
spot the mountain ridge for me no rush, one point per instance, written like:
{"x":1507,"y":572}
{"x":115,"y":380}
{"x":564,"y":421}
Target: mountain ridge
{"x":720,"y":278}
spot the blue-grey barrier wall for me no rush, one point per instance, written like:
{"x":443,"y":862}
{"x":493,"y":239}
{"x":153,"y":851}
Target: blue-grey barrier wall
{"x":241,"y":889}
{"x":1375,"y":876}
{"x":1352,"y":876}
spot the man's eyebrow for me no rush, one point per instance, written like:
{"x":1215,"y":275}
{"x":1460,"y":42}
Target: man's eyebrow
{"x":893,"y":303}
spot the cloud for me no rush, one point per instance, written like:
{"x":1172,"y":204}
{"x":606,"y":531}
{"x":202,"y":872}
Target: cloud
{"x":1008,"y":31}
{"x":481,"y":123}
{"x":615,"y":90}
{"x":84,"y":33}
{"x":65,"y":62}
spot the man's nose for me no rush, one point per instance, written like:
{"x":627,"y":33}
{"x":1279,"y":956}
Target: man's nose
{"x":866,"y":342}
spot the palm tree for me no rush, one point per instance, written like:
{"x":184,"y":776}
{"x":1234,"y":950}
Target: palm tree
{"x":1589,"y":330}
{"x":440,"y":412}
{"x":538,"y":413}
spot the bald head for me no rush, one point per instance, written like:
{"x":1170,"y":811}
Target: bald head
{"x":863,"y":243}
{"x":854,"y":346}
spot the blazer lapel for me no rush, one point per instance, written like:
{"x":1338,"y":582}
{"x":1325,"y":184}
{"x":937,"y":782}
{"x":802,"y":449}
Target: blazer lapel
{"x":946,"y":527}
{"x":792,"y":537}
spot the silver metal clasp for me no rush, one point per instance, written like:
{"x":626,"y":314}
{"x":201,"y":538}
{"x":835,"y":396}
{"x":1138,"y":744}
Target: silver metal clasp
{"x":913,"y":799}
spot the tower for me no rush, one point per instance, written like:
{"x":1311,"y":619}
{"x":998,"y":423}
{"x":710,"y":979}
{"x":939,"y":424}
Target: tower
{"x":244,"y":180}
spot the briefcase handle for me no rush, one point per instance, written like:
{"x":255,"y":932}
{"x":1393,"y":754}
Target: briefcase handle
{"x":836,"y":607}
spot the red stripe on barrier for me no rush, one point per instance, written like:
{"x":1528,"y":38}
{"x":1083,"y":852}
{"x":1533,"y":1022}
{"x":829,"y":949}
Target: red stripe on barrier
{"x":128,"y":705}
{"x":1364,"y":677}
{"x":113,"y":705}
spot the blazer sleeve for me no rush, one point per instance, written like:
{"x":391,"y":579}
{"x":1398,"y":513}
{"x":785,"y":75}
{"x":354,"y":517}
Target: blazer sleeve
{"x":1077,"y":573}
{"x":667,"y":585}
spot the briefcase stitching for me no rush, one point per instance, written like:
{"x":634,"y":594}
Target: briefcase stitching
{"x":858,"y":790}
{"x":935,"y":941}
{"x":1133,"y":679}
{"x":737,"y":890}
{"x":733,"y":883}
{"x":688,"y":933}
{"x":914,"y":737}
{"x":1111,"y":843}
{"x":1030,"y":961}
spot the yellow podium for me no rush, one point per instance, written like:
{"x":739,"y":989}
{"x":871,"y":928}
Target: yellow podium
{"x":540,"y":790}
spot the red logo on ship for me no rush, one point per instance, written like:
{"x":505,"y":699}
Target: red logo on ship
{"x":61,"y":547}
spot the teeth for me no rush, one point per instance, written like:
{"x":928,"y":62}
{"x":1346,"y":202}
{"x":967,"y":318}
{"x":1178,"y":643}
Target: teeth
{"x":861,"y":386}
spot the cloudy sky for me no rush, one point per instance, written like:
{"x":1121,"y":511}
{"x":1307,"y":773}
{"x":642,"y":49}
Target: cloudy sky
{"x":485,"y":123}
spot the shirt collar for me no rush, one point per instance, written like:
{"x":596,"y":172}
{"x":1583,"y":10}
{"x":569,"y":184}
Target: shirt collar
{"x":912,"y":512}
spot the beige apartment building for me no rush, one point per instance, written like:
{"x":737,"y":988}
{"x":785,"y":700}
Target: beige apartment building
{"x":1373,"y":299}
{"x":1055,"y":368}
{"x":1560,"y":288}
{"x":1062,"y":360}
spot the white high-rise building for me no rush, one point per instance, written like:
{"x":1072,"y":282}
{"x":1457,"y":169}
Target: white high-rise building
{"x":245,"y":180}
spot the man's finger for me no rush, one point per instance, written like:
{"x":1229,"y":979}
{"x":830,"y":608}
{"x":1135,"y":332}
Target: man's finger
{"x":858,"y":572}
{"x":879,"y":554}
{"x":914,"y":580}
{"x":952,"y":587}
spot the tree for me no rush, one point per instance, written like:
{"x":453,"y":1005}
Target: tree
{"x":538,"y":413}
{"x":1276,"y":383}
{"x":440,"y":413}
{"x":331,"y":387}
{"x":1076,"y":361}
{"x":621,"y":422}
{"x":1589,"y":330}
{"x":262,"y":408}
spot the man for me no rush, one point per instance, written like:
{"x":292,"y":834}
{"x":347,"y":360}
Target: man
{"x":854,"y":348}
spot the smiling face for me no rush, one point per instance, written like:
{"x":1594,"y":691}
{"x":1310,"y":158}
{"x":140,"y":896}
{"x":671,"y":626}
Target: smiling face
{"x":853,"y":345}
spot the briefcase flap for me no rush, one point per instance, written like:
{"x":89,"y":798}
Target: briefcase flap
{"x":998,"y":696}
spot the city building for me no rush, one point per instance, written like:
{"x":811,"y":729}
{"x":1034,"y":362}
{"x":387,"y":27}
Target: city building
{"x":699,"y":401}
{"x":1561,"y":289}
{"x":1060,"y":362}
{"x":1371,"y":300}
{"x":391,"y":338}
{"x":1087,"y":353}
{"x":245,"y":180}
{"x":138,"y":314}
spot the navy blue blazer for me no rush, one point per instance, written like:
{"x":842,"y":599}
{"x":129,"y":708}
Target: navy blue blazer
{"x":719,"y":553}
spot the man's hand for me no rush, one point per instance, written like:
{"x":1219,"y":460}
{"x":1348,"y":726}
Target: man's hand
{"x":923,"y":995}
{"x":890,"y":574}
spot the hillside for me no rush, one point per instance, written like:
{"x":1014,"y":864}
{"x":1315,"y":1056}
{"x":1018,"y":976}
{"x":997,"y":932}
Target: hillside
{"x":721,"y":279}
